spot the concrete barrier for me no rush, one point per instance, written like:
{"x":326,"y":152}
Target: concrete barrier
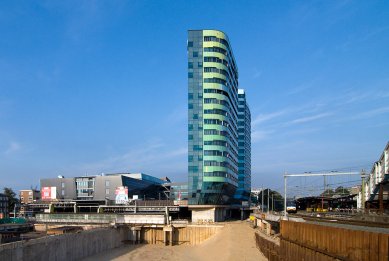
{"x":75,"y":246}
{"x":64,"y":247}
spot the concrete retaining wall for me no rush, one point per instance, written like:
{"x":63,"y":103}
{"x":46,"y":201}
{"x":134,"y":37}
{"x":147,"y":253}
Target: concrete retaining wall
{"x":190,"y":235}
{"x":64,"y":247}
{"x":208,"y":215}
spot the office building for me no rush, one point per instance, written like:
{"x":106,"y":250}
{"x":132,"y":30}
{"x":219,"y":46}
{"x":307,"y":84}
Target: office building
{"x":213,"y":135}
{"x":3,"y":206}
{"x":244,"y":148}
{"x":102,"y":187}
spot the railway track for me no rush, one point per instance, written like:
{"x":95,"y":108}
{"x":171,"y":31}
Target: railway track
{"x":342,"y":219}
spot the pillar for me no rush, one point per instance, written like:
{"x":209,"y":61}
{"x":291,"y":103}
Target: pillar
{"x":168,"y":235}
{"x":381,"y":199}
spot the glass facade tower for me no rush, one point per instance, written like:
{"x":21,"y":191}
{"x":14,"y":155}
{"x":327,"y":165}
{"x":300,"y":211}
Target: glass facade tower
{"x":213,"y":117}
{"x":244,"y":148}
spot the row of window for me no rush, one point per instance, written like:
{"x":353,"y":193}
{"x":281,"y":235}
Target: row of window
{"x":225,"y":164}
{"x":216,"y":174}
{"x":216,"y":39}
{"x":222,"y":133}
{"x":220,"y":92}
{"x":190,"y":65}
{"x":216,"y":153}
{"x":211,"y":59}
{"x":221,"y":143}
{"x":215,"y":132}
{"x":216,"y":101}
{"x":199,"y":157}
{"x":215,"y":50}
{"x":216,"y":111}
{"x":190,"y":96}
{"x":215,"y":80}
{"x":190,"y":127}
{"x":220,"y":153}
{"x":216,"y":121}
{"x":216,"y":143}
{"x":222,"y":123}
{"x":219,"y":174}
{"x":215,"y":70}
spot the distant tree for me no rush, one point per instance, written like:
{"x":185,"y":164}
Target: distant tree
{"x":276,"y":196}
{"x":342,"y":191}
{"x":328,"y":193}
{"x":12,"y":200}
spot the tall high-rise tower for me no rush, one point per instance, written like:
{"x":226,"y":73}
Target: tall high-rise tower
{"x":244,"y":148}
{"x":213,"y":113}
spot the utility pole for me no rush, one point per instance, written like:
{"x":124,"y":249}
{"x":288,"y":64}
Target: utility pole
{"x":268,"y":205}
{"x":363,"y":190}
{"x":272,"y":202}
{"x":262,"y":199}
{"x":285,"y":194}
{"x":325,"y":185}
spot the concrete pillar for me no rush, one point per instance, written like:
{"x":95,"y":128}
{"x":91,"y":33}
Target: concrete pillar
{"x":363,"y":198}
{"x":167,"y":215}
{"x":134,"y":235}
{"x":268,"y":229}
{"x":381,"y":199}
{"x":168,"y":235}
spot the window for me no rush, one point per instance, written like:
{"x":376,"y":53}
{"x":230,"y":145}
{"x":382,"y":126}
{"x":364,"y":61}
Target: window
{"x":106,"y":191}
{"x":190,"y":75}
{"x":190,"y":44}
{"x":107,"y":183}
{"x":195,"y":54}
{"x":63,"y":192}
{"x":62,"y":184}
{"x":190,"y":65}
{"x":193,"y":168}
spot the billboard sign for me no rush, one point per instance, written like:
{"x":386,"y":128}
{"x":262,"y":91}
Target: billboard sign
{"x":49,"y":193}
{"x":121,"y":195}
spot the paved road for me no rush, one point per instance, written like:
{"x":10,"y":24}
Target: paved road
{"x":235,"y":241}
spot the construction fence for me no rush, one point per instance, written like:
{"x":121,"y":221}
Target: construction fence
{"x":303,"y":241}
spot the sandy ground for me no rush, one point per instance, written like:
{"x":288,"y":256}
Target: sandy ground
{"x":235,"y":241}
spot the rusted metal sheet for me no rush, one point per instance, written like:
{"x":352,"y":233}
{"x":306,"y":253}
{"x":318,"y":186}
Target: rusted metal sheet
{"x":302,"y":241}
{"x":335,"y":242}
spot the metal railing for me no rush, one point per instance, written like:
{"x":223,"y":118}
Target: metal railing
{"x":98,"y":218}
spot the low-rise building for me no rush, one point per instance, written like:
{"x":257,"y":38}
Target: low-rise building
{"x":377,"y":183}
{"x":29,"y":196}
{"x":105,"y":187}
{"x":3,"y":206}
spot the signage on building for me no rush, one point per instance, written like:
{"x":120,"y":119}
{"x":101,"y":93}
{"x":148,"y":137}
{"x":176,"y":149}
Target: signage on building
{"x":245,"y":203}
{"x":49,"y":193}
{"x":121,"y":195}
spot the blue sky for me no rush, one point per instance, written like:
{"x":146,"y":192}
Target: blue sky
{"x":100,"y":86}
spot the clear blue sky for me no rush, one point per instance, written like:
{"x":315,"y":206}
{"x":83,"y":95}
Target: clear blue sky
{"x":101,"y":86}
